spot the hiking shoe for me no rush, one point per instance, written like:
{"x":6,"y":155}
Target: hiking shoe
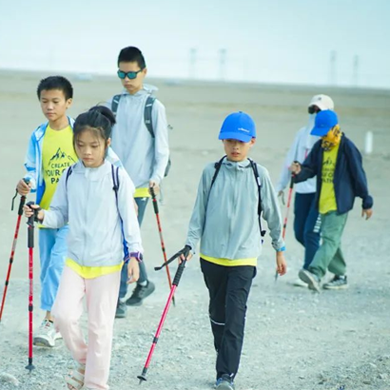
{"x":121,"y":310}
{"x":337,"y":283}
{"x":299,"y":283}
{"x":46,"y":335}
{"x":312,"y":280}
{"x":225,"y":382}
{"x":140,"y":293}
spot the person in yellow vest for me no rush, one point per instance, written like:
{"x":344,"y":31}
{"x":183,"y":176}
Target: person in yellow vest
{"x":337,"y":163}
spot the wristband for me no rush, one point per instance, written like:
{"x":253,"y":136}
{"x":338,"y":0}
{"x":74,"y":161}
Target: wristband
{"x":137,"y":255}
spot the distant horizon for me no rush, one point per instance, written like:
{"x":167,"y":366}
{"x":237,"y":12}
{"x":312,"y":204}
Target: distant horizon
{"x":84,"y":77}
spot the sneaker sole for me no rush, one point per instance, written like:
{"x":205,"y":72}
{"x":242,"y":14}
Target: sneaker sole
{"x":224,"y":386}
{"x":42,"y":342}
{"x":311,"y":282}
{"x":299,"y":283}
{"x":343,"y":287}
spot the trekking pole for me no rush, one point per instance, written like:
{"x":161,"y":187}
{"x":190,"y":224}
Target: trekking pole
{"x":30,"y":245}
{"x":156,"y":211}
{"x":185,"y":251}
{"x":11,"y":259}
{"x":290,"y":191}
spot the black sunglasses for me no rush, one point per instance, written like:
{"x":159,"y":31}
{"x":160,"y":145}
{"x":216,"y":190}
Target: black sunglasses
{"x":130,"y":75}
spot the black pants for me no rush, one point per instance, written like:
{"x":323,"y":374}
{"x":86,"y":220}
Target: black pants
{"x":228,"y":289}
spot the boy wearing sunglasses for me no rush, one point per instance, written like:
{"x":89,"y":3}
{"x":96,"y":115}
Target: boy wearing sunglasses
{"x":144,"y":154}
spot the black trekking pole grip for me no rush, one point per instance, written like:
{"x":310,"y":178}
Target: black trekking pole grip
{"x":21,"y":204}
{"x":30,"y":223}
{"x":154,"y":200}
{"x":179,"y":273}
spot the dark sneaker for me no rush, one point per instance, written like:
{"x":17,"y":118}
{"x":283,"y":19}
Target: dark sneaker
{"x":140,"y":293}
{"x":312,"y":280}
{"x":225,"y":382}
{"x":337,"y":283}
{"x":121,"y":310}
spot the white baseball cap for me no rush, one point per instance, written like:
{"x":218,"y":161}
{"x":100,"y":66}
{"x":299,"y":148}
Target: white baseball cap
{"x":323,"y":102}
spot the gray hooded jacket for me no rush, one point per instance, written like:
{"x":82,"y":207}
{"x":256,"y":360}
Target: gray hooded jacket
{"x":225,"y":219}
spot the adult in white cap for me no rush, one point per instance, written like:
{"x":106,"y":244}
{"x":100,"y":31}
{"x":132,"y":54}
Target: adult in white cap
{"x":306,"y":219}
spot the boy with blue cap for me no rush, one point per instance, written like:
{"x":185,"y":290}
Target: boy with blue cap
{"x":337,"y":163}
{"x":226,"y":219}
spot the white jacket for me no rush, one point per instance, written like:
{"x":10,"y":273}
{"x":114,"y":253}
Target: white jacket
{"x":144,"y":158}
{"x":87,"y":201}
{"x":299,"y":150}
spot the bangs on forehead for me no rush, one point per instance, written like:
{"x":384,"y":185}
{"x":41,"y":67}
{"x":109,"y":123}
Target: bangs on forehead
{"x":97,"y":132}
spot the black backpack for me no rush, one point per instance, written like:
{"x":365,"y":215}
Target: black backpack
{"x":147,"y":119}
{"x":218,"y":165}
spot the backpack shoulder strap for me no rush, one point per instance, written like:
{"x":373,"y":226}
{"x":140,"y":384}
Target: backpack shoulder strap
{"x":258,"y":182}
{"x":115,"y":182}
{"x":217,"y":166}
{"x":115,"y":103}
{"x":148,"y":114}
{"x":68,"y":173}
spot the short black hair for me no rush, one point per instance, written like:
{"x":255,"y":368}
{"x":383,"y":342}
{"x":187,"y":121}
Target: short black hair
{"x":132,"y":54}
{"x":56,"y":82}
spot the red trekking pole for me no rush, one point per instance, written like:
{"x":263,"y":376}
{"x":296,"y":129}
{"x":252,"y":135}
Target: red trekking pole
{"x":30,"y":245}
{"x":185,"y":251}
{"x":11,"y":259}
{"x":156,"y":211}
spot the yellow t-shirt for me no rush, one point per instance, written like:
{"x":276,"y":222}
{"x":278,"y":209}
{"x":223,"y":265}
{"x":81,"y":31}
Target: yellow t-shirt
{"x":327,"y":196}
{"x":57,"y":155}
{"x":92,"y":272}
{"x":142,"y":193}
{"x":230,"y":263}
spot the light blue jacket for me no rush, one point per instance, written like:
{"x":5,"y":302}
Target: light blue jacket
{"x":33,"y":160}
{"x":225,"y":219}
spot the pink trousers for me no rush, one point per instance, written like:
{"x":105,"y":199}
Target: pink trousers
{"x":102,"y":297}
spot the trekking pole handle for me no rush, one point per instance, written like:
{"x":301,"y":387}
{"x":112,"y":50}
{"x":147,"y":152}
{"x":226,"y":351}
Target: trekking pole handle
{"x":179,"y":273}
{"x":154,"y":200}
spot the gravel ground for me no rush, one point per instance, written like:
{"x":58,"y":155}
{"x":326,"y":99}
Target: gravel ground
{"x":295,"y":339}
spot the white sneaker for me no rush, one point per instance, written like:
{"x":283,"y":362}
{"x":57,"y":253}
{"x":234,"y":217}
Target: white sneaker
{"x":299,"y":283}
{"x":46,"y":335}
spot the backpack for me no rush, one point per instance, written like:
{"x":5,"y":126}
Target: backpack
{"x":115,"y":181}
{"x":218,"y":165}
{"x":147,"y":119}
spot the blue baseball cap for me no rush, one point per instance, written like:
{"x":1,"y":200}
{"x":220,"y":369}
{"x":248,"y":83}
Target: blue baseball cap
{"x":325,"y":120}
{"x":239,"y":126}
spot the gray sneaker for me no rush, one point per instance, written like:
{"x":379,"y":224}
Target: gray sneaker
{"x":46,"y":335}
{"x":312,"y":280}
{"x":121,"y":310}
{"x":225,"y":382}
{"x":339,"y":282}
{"x":140,"y":293}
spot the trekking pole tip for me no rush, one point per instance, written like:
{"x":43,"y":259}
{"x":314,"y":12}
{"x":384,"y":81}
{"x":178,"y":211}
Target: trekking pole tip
{"x":30,"y":367}
{"x":141,"y":378}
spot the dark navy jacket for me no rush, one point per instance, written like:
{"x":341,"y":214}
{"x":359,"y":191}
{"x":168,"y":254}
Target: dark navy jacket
{"x":349,"y":176}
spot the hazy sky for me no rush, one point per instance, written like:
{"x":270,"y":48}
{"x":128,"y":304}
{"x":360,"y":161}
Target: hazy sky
{"x":265,"y":40}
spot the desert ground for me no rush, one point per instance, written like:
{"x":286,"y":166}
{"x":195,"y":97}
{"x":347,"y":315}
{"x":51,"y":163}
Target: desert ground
{"x":295,"y":339}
